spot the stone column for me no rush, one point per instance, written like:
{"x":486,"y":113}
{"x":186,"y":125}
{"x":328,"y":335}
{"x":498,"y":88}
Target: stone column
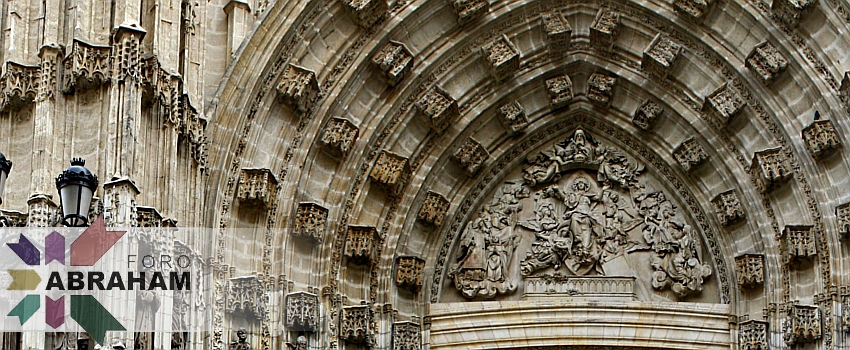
{"x":125,"y":102}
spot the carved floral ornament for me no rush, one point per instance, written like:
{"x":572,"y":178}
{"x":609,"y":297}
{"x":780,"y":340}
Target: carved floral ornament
{"x":582,"y":208}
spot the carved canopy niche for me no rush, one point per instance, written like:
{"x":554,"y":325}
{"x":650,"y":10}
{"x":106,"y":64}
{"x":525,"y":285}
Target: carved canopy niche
{"x":580,"y":216}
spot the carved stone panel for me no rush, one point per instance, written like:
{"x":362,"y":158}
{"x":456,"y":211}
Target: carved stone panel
{"x":19,"y":85}
{"x":406,"y":336}
{"x":148,"y":217}
{"x":842,"y":214}
{"x":302,"y":312}
{"x":728,"y":208}
{"x":766,"y":62}
{"x":693,"y":9}
{"x":770,"y":168}
{"x":690,"y":154}
{"x":724,"y":103}
{"x":471,"y":155}
{"x":433,"y":209}
{"x":298,"y":88}
{"x":646,"y":114}
{"x":390,"y":171}
{"x":356,"y":324}
{"x":605,"y":29}
{"x":246,"y":297}
{"x":365,"y":12}
{"x":361,"y":244}
{"x":798,"y":243}
{"x":803,"y":325}
{"x":660,"y":55}
{"x":85,"y":67}
{"x":750,"y":270}
{"x":600,"y":88}
{"x":310,"y":221}
{"x":408,"y":272}
{"x":439,"y":108}
{"x":753,"y":335}
{"x":502,"y":58}
{"x":560,"y":91}
{"x":257,"y":187}
{"x":339,"y":136}
{"x":821,"y":137}
{"x":558,"y":31}
{"x":513,"y":118}
{"x":395,"y":60}
{"x":790,"y":12}
{"x":469,"y":10}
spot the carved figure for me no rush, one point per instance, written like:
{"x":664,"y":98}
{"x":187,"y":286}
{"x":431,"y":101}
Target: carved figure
{"x":241,"y":342}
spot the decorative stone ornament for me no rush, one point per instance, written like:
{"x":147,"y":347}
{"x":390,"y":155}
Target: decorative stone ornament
{"x":433,"y":209}
{"x":471,"y":155}
{"x":605,"y":29}
{"x":728,"y":208}
{"x":310,"y":221}
{"x":395,"y":60}
{"x":502,"y":58}
{"x":694,"y":10}
{"x":86,"y":67}
{"x":439,"y":108}
{"x":600,"y":88}
{"x":408,"y":273}
{"x":19,"y":85}
{"x":558,"y":31}
{"x":766,"y":62}
{"x":770,"y":169}
{"x":298,"y":88}
{"x":257,"y":187}
{"x":752,"y":335}
{"x":803,"y":325}
{"x":646,"y":114}
{"x":513,"y":118}
{"x":302,"y":312}
{"x":821,"y":138}
{"x":842,"y":213}
{"x":246,"y":297}
{"x":750,"y":270}
{"x":798,"y":243}
{"x":356,"y":324}
{"x":560,"y":91}
{"x":660,"y":55}
{"x":724,"y":104}
{"x":361,"y":244}
{"x":690,"y":154}
{"x":790,"y":12}
{"x":406,"y":336}
{"x":366,"y":12}
{"x":390,"y":171}
{"x":469,"y":10}
{"x":339,"y":136}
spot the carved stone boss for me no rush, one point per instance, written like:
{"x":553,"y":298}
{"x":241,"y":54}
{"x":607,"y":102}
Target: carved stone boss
{"x":798,"y":243}
{"x":560,"y":90}
{"x":310,"y":221}
{"x":408,"y":273}
{"x":753,"y":335}
{"x":502,"y":58}
{"x":842,"y":213}
{"x":766,"y":62}
{"x":770,"y":168}
{"x":513,"y":118}
{"x":693,"y":9}
{"x":302,"y":312}
{"x":356,"y":324}
{"x":406,"y":336}
{"x":361,"y":244}
{"x":728,"y":208}
{"x":468,"y":10}
{"x":298,"y":88}
{"x":257,"y":187}
{"x":821,"y":138}
{"x":600,"y":88}
{"x":724,"y":104}
{"x":750,"y":270}
{"x":558,"y":31}
{"x":471,"y":155}
{"x":646,"y":114}
{"x":339,"y":136}
{"x":433,"y":209}
{"x":605,"y":29}
{"x":660,"y":55}
{"x":690,"y":154}
{"x":803,"y":325}
{"x":439,"y":108}
{"x":366,"y":12}
{"x":395,"y":60}
{"x":246,"y":296}
{"x":790,"y":12}
{"x":390,"y":171}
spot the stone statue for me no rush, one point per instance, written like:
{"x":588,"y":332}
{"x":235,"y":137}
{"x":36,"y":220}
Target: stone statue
{"x":300,"y":344}
{"x":241,"y":342}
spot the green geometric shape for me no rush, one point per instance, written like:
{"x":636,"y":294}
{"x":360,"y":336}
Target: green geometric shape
{"x":26,"y":308}
{"x":93,"y":317}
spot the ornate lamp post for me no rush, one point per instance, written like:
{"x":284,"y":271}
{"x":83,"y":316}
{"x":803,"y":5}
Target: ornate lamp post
{"x":76,"y":187}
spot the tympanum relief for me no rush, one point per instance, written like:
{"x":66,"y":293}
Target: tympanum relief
{"x":577,"y":209}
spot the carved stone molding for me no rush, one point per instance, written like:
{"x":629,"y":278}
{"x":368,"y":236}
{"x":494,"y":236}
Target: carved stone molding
{"x":246,"y":297}
{"x":842,"y":214}
{"x":395,"y":60}
{"x":408,"y":272}
{"x":766,"y":62}
{"x":694,"y":10}
{"x":390,"y":171}
{"x":753,"y":335}
{"x":339,"y":136}
{"x":365,"y":12}
{"x":471,"y":155}
{"x":356,"y":325}
{"x":560,"y":91}
{"x":311,"y":221}
{"x":86,"y":66}
{"x":803,"y":325}
{"x":148,"y":217}
{"x":660,"y":55}
{"x":600,"y":88}
{"x":770,"y":169}
{"x":439,"y":108}
{"x":513,"y":118}
{"x":559,"y":285}
{"x":19,"y":85}
{"x":126,"y":52}
{"x":16,"y":218}
{"x":469,"y":10}
{"x":406,"y":336}
{"x":728,"y":207}
{"x":750,"y":270}
{"x":361,"y":244}
{"x":690,"y":154}
{"x":433,"y":209}
{"x":798,"y":243}
{"x":558,"y":31}
{"x":302,"y":312}
{"x":724,"y":103}
{"x":298,"y":88}
{"x":257,"y":187}
{"x":502,"y":58}
{"x":646,"y":114}
{"x":821,"y":137}
{"x":605,"y":29}
{"x":790,"y":12}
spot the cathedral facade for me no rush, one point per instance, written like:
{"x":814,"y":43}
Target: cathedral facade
{"x":451,"y":174}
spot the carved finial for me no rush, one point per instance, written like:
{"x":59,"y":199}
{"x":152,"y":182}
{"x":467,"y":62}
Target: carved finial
{"x":78,"y":161}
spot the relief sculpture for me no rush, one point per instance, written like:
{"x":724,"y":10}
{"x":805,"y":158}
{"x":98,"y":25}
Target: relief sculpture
{"x":591,"y":207}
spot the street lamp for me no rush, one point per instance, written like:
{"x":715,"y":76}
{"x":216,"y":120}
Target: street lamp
{"x":76,"y":187}
{"x":5,"y":166}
